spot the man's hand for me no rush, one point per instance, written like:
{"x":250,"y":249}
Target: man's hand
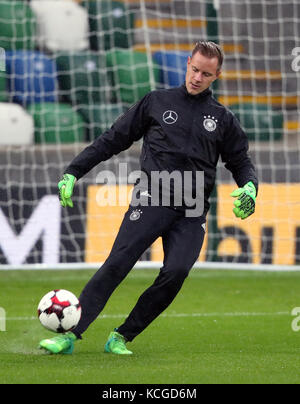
{"x":244,"y":206}
{"x":65,"y":186}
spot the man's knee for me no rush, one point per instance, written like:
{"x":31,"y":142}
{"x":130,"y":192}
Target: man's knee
{"x":174,"y":276}
{"x":114,"y":268}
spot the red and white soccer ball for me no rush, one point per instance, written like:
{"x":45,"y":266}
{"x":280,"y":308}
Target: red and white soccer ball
{"x":59,"y":311}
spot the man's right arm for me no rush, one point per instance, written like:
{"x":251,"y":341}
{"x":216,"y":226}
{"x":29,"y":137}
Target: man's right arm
{"x":129,"y":128}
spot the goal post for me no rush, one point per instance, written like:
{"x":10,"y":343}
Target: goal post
{"x":69,"y":69}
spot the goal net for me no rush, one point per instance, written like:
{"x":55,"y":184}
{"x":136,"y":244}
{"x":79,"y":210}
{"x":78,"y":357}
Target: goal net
{"x":68,"y":69}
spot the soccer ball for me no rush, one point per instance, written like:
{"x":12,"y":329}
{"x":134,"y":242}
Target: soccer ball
{"x":59,"y":311}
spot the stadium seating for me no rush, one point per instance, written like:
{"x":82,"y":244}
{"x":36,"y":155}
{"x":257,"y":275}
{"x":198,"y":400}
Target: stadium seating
{"x":18,"y":26}
{"x":3,"y":90}
{"x":100,"y":117}
{"x":172,"y":67}
{"x":17,"y":126}
{"x":81,"y":78}
{"x":111,"y":24}
{"x":129,"y":73}
{"x":56,"y":123}
{"x":31,"y":77}
{"x":61,"y":25}
{"x":260,"y":122}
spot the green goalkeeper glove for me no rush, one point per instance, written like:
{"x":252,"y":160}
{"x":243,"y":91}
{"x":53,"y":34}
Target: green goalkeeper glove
{"x":65,"y":186}
{"x":244,"y":206}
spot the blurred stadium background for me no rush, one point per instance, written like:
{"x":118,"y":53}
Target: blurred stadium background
{"x":70,"y":68}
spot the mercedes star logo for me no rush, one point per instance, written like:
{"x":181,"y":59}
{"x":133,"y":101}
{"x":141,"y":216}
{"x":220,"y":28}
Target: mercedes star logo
{"x":170,"y":117}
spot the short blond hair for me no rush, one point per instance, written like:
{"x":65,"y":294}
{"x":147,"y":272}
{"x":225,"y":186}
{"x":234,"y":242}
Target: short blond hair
{"x":210,"y":50}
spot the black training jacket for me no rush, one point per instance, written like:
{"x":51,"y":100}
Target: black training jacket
{"x":180,"y":132}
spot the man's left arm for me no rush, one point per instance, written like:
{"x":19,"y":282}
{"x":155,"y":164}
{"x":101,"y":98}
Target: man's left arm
{"x":235,"y":155}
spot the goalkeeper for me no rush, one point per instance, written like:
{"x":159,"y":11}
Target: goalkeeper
{"x":183,"y":129}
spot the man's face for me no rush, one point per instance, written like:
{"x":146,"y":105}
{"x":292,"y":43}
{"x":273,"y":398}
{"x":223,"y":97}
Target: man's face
{"x":201,"y":73}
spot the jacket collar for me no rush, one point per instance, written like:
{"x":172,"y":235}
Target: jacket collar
{"x":202,"y":95}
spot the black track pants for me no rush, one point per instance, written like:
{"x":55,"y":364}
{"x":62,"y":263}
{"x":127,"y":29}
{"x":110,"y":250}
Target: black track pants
{"x":182,"y":241}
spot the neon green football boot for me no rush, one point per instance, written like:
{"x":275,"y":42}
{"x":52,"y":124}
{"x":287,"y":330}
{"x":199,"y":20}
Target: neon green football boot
{"x":116,"y":344}
{"x":62,"y":344}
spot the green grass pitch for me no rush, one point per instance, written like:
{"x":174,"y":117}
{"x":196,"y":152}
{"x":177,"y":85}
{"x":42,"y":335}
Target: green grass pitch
{"x":223,"y":327}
